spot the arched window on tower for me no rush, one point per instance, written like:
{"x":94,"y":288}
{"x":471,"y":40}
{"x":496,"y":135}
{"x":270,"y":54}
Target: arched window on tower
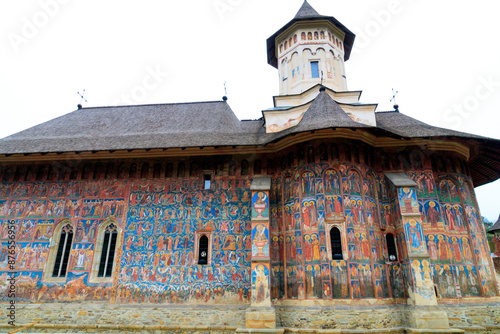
{"x":203,"y":250}
{"x":391,"y":247}
{"x":63,"y":251}
{"x":336,"y":243}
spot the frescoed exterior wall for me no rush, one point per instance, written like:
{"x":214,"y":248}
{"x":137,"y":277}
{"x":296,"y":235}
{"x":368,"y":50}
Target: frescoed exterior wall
{"x":279,"y":242}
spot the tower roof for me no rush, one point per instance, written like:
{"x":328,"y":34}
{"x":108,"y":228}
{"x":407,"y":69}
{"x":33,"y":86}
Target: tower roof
{"x":308,"y":13}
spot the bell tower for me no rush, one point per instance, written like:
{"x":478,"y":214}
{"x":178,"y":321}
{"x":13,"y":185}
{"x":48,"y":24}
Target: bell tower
{"x":309,"y":50}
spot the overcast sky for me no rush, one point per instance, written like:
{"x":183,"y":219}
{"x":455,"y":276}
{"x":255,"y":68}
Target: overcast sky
{"x":442,"y":56}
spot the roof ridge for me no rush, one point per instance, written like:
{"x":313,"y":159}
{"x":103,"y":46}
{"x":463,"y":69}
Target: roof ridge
{"x":151,"y":104}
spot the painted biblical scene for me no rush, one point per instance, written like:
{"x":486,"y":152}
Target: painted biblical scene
{"x":260,"y":206}
{"x":260,"y":283}
{"x":408,"y":200}
{"x":415,"y":237}
{"x":260,"y":240}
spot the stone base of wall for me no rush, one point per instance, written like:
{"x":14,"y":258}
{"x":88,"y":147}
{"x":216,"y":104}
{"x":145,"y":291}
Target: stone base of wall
{"x":93,"y":318}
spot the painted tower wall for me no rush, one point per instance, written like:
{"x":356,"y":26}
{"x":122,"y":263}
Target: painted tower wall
{"x":297,"y":49}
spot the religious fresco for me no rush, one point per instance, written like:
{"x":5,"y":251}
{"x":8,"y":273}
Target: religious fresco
{"x":415,"y":237}
{"x":260,"y":283}
{"x":159,"y":218}
{"x":260,"y":206}
{"x":38,"y":207}
{"x":158,"y":257}
{"x":260,"y":240}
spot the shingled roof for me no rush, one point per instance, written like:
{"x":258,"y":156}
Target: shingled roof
{"x":306,"y":11}
{"x":495,"y":227}
{"x":205,"y":124}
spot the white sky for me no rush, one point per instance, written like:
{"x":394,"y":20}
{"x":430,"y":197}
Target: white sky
{"x":437,"y":54}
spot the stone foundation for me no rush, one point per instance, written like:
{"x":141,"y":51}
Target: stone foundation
{"x":94,"y":318}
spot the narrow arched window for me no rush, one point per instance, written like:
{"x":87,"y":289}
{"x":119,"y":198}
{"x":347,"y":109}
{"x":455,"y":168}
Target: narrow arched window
{"x":391,"y":247}
{"x":336,"y":242}
{"x":203,"y":250}
{"x":63,"y":251}
{"x":108,"y":251}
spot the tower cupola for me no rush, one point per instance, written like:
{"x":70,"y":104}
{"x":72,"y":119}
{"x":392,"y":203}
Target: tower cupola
{"x":310,"y":49}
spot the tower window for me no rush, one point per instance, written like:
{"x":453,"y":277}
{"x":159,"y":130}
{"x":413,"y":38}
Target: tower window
{"x":336,"y":243}
{"x":315,"y":69}
{"x":203,"y":251}
{"x":108,"y":251}
{"x":391,"y":247}
{"x":63,"y":251}
{"x":207,"y":181}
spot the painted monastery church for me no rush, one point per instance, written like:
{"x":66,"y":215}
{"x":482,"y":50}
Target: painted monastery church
{"x":323,"y":216}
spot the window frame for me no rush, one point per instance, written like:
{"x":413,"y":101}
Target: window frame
{"x":312,"y":73}
{"x":53,"y":248}
{"x":196,"y":253}
{"x":98,"y":248}
{"x":395,"y":248}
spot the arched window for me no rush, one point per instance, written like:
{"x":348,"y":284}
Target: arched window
{"x":107,"y":243}
{"x":108,"y":251}
{"x":63,"y":251}
{"x":303,"y":36}
{"x":391,"y":247}
{"x":309,"y":36}
{"x":203,"y":250}
{"x":336,"y":243}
